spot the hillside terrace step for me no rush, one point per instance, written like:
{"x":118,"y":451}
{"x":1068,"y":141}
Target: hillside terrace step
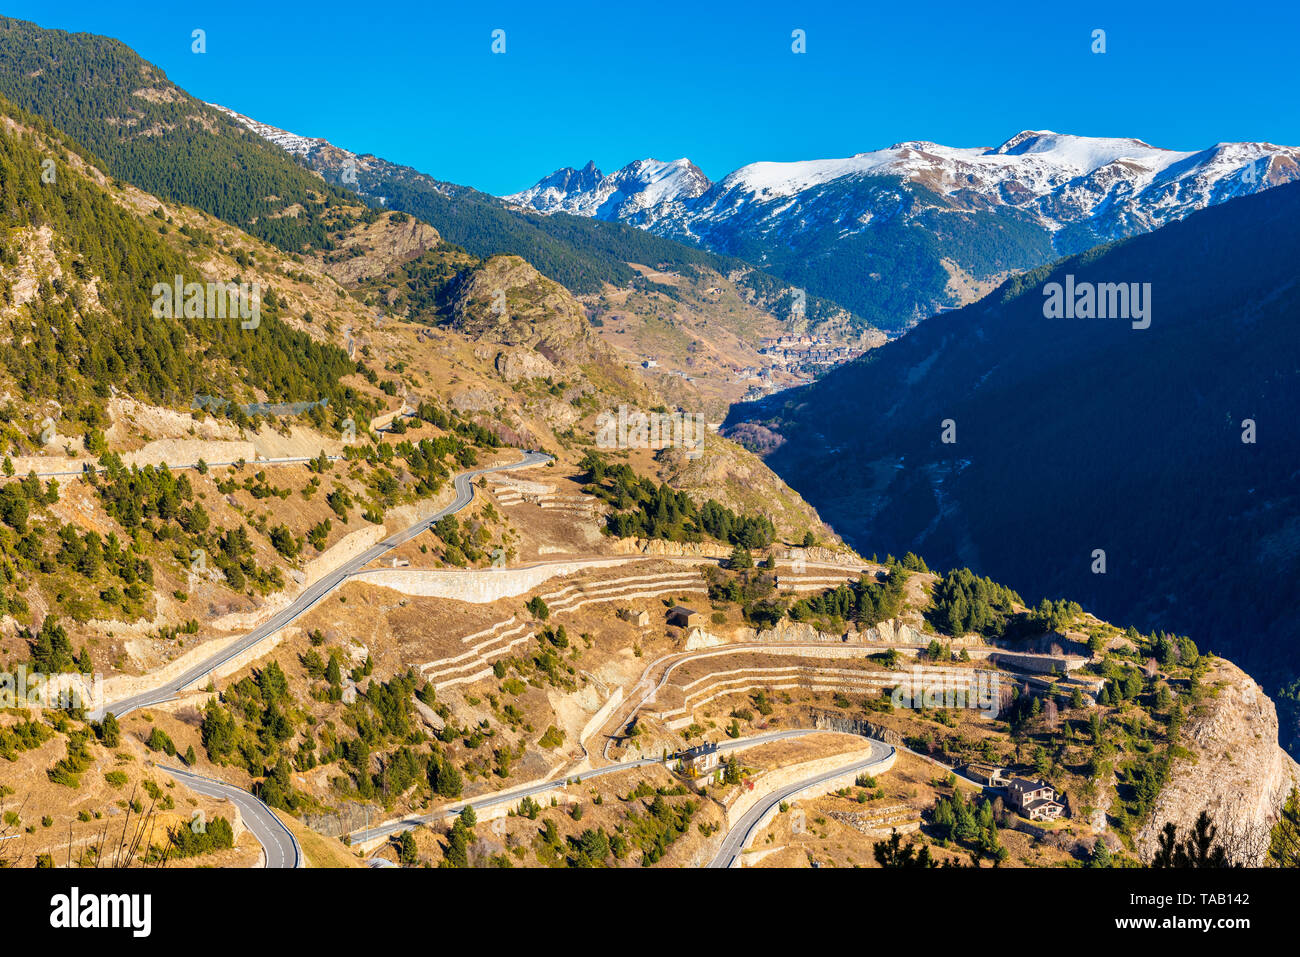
{"x":485,"y":659}
{"x":589,"y":586}
{"x":499,"y":639}
{"x":477,"y":651}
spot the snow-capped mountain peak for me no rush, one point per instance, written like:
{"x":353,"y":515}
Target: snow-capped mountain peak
{"x":628,"y":194}
{"x":844,"y":225}
{"x":1113,"y":185}
{"x":847,"y":229}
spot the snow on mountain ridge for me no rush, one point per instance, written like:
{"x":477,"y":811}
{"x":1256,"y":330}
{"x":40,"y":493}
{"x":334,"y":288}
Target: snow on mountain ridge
{"x":625,"y":194}
{"x":824,"y":222}
{"x":1044,"y":158}
{"x":1063,"y":178}
{"x":290,"y":142}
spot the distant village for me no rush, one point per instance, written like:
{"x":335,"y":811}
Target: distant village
{"x":792,"y":360}
{"x":798,"y":357}
{"x":804,"y":350}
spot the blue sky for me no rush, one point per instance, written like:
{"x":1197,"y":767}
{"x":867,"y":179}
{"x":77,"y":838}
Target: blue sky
{"x":417,"y":83}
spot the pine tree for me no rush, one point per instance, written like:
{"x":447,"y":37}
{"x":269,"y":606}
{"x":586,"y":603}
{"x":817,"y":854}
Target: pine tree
{"x":1101,"y":856}
{"x":1197,"y":850}
{"x":1284,"y":845}
{"x":110,"y":733}
{"x":893,"y":854}
{"x":406,"y":849}
{"x":457,"y":851}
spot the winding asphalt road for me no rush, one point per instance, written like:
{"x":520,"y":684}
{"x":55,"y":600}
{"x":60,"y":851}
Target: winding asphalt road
{"x":511,"y":797}
{"x":464,"y":485}
{"x":746,"y":828}
{"x":278,"y":843}
{"x":281,"y":847}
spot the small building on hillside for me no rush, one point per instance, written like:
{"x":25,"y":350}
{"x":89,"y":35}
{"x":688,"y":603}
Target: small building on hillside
{"x":637,"y":616}
{"x":700,"y":760}
{"x":682,"y":617}
{"x":987,"y":775}
{"x":1035,"y":800}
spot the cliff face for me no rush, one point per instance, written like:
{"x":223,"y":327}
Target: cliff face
{"x":735,"y":476}
{"x":373,"y":250}
{"x":504,"y":301}
{"x":1238,"y":772}
{"x":507,"y":302}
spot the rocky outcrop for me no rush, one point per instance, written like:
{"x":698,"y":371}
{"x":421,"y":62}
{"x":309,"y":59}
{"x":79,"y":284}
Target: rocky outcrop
{"x":532,"y":327}
{"x":698,"y":639}
{"x":889,"y":632}
{"x":475,"y":400}
{"x":1237,"y":771}
{"x":507,"y":302}
{"x":517,"y":364}
{"x":894,"y":631}
{"x":375,"y":249}
{"x":659,"y":546}
{"x":787,"y":631}
{"x":737,"y":478}
{"x":819,"y":553}
{"x":430,"y":717}
{"x":831,"y":721}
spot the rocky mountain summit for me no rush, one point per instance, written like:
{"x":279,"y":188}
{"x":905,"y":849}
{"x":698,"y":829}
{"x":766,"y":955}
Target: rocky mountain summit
{"x":1112,"y":187}
{"x":926,"y":226}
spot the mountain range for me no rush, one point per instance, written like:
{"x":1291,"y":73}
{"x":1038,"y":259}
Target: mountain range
{"x":900,"y":233}
{"x":1020,"y":445}
{"x":583,"y":253}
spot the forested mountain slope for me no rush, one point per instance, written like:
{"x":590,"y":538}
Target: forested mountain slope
{"x":150,"y":132}
{"x":76,"y":294}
